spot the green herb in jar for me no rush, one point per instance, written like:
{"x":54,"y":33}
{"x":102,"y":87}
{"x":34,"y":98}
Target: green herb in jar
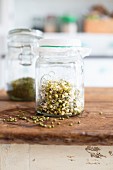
{"x":22,"y":89}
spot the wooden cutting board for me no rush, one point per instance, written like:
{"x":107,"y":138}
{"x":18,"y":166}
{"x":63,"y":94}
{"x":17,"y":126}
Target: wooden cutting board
{"x":95,"y":128}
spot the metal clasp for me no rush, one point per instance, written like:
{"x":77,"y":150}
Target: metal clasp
{"x":26,"y":56}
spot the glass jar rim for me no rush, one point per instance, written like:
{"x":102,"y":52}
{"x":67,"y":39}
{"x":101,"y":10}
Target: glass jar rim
{"x":83,"y":51}
{"x":25,"y":31}
{"x":60,"y":42}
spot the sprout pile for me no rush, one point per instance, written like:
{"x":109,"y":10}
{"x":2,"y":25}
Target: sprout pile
{"x":58,"y":98}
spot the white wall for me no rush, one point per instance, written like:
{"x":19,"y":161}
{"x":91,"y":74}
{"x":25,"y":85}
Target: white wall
{"x":25,"y":10}
{"x":6,"y":22}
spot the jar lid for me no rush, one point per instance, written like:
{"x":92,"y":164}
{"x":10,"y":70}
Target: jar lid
{"x":68,"y":19}
{"x":25,"y":31}
{"x":60,"y":43}
{"x":63,"y":45}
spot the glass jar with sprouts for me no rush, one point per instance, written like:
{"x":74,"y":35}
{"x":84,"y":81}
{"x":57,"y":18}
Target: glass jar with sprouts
{"x":59,"y":77}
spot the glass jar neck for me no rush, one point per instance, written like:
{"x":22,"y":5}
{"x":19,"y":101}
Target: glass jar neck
{"x":60,"y":55}
{"x":22,"y":48}
{"x":66,"y":52}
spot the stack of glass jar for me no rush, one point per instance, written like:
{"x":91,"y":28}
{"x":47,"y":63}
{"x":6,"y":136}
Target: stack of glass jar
{"x":59,"y":72}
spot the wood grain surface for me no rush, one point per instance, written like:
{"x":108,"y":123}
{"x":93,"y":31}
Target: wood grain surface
{"x":94,"y":128}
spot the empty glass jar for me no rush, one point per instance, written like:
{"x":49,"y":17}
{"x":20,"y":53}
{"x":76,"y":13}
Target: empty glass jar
{"x":59,"y":77}
{"x":21,"y":58}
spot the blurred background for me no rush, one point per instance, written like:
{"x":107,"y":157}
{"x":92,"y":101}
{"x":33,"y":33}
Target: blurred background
{"x":89,"y":20}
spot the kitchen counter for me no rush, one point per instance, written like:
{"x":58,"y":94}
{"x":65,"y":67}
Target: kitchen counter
{"x":95,"y":128}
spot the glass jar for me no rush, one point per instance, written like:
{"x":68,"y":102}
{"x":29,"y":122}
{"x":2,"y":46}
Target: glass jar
{"x":21,"y":58}
{"x":59,"y":77}
{"x":50,"y":24}
{"x":69,"y":24}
